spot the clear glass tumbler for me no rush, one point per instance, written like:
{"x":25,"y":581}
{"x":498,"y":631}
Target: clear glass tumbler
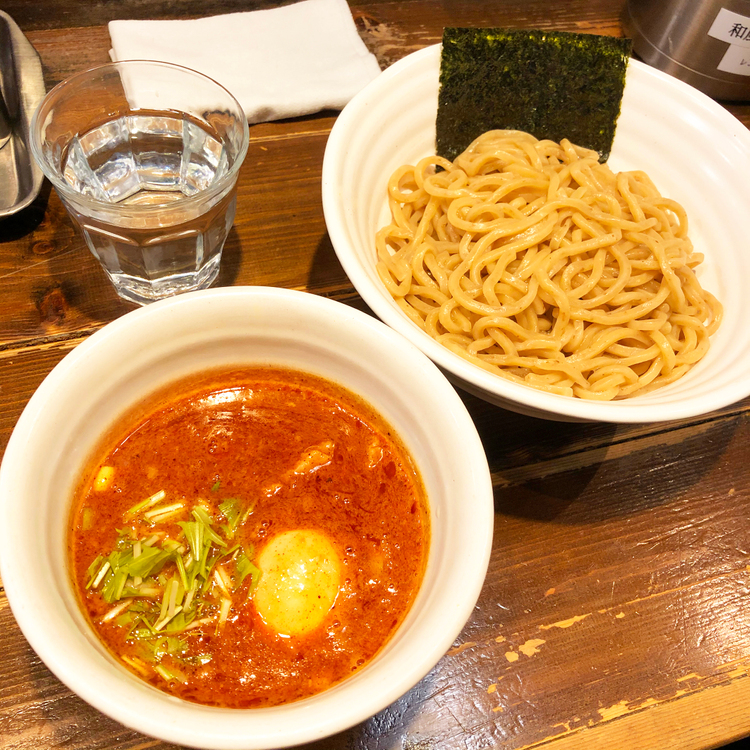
{"x":145,"y":156}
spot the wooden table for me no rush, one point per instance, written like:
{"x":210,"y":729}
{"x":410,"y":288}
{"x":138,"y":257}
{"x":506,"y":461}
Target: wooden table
{"x":613,"y":614}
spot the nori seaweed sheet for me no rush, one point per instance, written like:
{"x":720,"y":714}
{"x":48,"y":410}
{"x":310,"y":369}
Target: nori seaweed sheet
{"x":552,"y":84}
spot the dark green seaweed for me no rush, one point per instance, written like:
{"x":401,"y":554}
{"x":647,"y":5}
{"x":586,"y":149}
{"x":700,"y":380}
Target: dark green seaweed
{"x":552,"y":84}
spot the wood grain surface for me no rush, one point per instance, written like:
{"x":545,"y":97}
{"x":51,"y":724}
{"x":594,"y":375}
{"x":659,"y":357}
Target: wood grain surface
{"x":614,"y":611}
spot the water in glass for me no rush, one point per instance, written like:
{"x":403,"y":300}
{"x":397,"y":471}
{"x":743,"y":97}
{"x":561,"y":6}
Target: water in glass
{"x":157,"y":227}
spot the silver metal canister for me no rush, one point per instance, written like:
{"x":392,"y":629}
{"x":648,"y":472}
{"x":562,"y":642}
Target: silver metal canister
{"x":705,"y":43}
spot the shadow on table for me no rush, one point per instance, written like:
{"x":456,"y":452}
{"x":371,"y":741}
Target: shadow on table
{"x":15,"y":226}
{"x":576,"y":473}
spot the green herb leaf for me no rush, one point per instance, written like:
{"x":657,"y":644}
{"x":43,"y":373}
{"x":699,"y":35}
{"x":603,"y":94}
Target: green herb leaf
{"x":194,"y":535}
{"x":202,"y":516}
{"x":125,"y":620}
{"x":245,"y":568}
{"x":114,"y":583}
{"x":230,"y":508}
{"x":148,"y":563}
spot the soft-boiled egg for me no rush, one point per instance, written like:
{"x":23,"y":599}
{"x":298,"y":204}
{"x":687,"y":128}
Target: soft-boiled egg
{"x":300,"y":574}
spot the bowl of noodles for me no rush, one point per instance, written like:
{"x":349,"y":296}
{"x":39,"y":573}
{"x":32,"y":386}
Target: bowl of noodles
{"x":536,"y":277}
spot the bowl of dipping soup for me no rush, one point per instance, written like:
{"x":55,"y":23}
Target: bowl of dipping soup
{"x":244,"y":518}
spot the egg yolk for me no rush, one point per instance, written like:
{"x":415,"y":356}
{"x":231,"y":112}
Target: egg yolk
{"x":300,"y":572}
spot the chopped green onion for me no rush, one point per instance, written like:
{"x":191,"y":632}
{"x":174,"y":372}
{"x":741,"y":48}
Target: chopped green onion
{"x":170,"y":675}
{"x":200,"y":623}
{"x":180,"y":563}
{"x":100,"y":575}
{"x":159,"y":625}
{"x":148,"y":563}
{"x":246,"y":568}
{"x":202,"y":516}
{"x":165,"y":602}
{"x":230,"y":508}
{"x":147,"y":503}
{"x":222,"y":581}
{"x":173,"y":594}
{"x":114,"y":585}
{"x":125,"y":620}
{"x":172,"y":545}
{"x":163,"y":512}
{"x":149,"y":591}
{"x":194,"y":534}
{"x":121,"y":607}
{"x":226,"y":605}
{"x":161,"y":587}
{"x":180,"y":621}
{"x":189,"y":595}
{"x":247,"y":513}
{"x":93,"y":570}
{"x":136,"y":663}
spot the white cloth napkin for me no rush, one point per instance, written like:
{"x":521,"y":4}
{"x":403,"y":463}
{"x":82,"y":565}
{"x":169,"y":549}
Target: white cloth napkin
{"x":284,"y":62}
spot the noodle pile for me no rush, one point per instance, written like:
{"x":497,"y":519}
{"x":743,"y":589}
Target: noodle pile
{"x":536,"y":262}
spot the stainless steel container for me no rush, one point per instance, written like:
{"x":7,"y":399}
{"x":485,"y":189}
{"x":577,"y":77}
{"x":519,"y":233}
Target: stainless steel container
{"x":21,"y":90}
{"x":705,"y":43}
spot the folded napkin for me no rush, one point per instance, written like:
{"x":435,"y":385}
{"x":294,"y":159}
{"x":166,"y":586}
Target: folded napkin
{"x":283,"y":62}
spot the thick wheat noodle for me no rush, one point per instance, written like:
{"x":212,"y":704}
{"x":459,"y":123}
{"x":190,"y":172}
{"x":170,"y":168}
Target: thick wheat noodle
{"x":536,"y":262}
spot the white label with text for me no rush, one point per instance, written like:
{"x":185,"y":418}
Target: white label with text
{"x":734,"y":29}
{"x":736,"y":60}
{"x":731,"y":28}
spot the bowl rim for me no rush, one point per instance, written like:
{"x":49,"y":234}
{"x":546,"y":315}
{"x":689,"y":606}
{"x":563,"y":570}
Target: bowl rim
{"x":467,"y":375}
{"x":307,"y":720}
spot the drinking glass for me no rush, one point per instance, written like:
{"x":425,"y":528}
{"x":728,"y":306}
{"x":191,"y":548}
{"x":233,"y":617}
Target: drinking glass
{"x":145,"y":156}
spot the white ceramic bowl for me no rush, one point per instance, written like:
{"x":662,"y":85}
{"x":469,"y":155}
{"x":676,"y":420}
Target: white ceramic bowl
{"x":692,"y":148}
{"x":149,"y":347}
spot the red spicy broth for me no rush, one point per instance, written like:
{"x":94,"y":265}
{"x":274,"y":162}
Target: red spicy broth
{"x":189,"y":497}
